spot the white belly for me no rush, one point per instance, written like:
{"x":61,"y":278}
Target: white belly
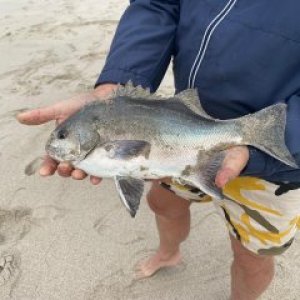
{"x":99,"y":163}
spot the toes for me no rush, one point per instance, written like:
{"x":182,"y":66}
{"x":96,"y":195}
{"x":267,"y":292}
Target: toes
{"x":145,"y":269}
{"x":141,"y":274}
{"x":149,"y":267}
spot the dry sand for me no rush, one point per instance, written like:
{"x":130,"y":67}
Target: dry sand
{"x":70,"y":240}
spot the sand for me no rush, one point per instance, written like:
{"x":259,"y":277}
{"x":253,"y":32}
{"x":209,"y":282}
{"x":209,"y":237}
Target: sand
{"x":61,"y":239}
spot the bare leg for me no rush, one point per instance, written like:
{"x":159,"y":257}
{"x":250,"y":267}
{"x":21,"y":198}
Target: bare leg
{"x":173,"y":222}
{"x":251,"y":274}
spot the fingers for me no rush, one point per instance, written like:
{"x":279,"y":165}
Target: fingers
{"x":78,"y":174}
{"x":48,"y":166}
{"x":95,"y":180}
{"x":235,"y":161}
{"x":224,"y":176}
{"x":64,"y":169}
{"x":37,"y":116}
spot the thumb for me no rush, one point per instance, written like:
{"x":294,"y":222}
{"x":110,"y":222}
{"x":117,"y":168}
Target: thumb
{"x":225,"y":174}
{"x":233,"y":164}
{"x":37,"y":116}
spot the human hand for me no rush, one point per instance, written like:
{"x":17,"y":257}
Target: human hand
{"x":235,"y":161}
{"x":60,"y":112}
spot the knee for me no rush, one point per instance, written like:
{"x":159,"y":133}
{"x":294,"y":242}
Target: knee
{"x":251,"y":263}
{"x":168,"y":205}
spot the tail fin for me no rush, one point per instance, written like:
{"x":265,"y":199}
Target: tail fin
{"x":265,"y":131}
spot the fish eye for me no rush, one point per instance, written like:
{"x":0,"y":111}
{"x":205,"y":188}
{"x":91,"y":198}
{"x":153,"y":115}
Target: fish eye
{"x":62,"y":134}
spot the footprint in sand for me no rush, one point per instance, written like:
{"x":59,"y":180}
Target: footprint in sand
{"x":46,"y":213}
{"x":16,"y":223}
{"x":10,"y":273}
{"x":9,"y":269}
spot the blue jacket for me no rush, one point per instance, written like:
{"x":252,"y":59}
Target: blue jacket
{"x":241,"y":55}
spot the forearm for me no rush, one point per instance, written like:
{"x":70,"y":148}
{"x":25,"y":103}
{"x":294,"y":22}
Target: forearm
{"x":143,"y":44}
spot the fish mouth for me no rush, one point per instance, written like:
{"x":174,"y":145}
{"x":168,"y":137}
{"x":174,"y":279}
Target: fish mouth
{"x":61,"y":156}
{"x":62,"y":152}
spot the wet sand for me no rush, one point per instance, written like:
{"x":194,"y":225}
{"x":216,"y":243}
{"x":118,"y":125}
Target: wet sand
{"x":61,"y":239}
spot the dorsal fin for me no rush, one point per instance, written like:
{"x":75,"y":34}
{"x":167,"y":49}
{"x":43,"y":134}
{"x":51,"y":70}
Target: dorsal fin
{"x":135,"y":92}
{"x":190,"y":99}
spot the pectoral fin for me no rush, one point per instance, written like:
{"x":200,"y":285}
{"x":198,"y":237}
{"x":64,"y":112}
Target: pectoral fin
{"x":130,"y":191}
{"x":204,"y":176}
{"x":127,"y":149}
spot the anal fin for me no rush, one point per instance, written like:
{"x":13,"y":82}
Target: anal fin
{"x":130,"y":191}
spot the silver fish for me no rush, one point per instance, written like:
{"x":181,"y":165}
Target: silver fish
{"x":137,"y":135}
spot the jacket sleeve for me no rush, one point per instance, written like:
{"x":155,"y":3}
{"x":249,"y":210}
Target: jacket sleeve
{"x":143,"y":44}
{"x":265,"y":166}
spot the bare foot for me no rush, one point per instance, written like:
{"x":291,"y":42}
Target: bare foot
{"x":154,"y":263}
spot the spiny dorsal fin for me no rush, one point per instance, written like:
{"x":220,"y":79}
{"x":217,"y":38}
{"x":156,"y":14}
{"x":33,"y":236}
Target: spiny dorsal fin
{"x":187,"y":97}
{"x":190,"y":98}
{"x":135,"y":92}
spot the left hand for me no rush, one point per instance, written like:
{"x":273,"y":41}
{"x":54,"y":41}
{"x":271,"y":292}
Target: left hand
{"x":235,"y":161}
{"x":59,"y":112}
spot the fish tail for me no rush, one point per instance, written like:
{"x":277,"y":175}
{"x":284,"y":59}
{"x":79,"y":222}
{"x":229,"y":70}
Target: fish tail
{"x":265,"y":130}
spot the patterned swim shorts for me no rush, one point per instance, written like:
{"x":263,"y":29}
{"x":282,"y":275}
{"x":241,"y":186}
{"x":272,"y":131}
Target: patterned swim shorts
{"x":263,"y":216}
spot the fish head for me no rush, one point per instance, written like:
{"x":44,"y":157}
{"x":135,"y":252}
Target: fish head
{"x":72,"y":141}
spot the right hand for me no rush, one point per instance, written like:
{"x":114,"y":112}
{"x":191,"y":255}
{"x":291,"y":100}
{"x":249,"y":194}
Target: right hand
{"x":60,"y":112}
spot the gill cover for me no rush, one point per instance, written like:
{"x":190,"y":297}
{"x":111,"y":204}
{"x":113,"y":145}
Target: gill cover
{"x":88,"y":139}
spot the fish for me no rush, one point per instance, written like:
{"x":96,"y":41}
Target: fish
{"x":136,"y":136}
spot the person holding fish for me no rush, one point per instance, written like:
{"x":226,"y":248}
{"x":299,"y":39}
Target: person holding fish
{"x":239,"y":147}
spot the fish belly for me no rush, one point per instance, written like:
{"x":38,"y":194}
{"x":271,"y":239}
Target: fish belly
{"x":99,"y":163}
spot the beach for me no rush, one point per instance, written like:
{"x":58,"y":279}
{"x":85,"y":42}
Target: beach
{"x":63,"y":239}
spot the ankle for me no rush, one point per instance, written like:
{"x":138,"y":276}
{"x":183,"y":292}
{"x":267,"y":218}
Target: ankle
{"x":166,"y":254}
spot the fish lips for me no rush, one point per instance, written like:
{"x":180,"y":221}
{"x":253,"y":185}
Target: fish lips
{"x":58,"y":154}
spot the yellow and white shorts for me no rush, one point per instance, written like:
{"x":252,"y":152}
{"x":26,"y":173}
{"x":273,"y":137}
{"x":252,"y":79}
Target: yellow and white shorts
{"x":263,"y":216}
